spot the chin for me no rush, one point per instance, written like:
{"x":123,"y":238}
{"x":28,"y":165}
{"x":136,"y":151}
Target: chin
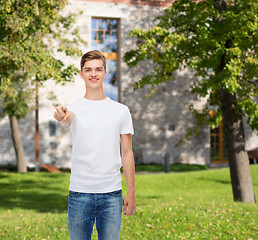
{"x":94,"y":86}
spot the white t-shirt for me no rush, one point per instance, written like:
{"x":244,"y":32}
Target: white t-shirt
{"x":96,"y":158}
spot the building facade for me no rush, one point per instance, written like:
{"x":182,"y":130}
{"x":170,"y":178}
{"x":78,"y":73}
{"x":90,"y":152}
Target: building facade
{"x":159,"y":122}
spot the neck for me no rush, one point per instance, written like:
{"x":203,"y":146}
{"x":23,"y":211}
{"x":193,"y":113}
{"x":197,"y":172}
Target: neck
{"x":94,"y":95}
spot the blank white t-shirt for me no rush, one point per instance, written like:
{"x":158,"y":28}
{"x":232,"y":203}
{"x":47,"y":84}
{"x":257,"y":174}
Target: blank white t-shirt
{"x":96,"y":158}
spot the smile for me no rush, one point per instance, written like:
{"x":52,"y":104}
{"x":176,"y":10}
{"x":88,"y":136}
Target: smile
{"x":93,"y":79}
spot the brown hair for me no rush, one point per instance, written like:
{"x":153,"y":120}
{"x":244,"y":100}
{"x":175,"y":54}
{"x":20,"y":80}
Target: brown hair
{"x":92,"y":55}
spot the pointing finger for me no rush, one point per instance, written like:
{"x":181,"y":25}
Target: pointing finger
{"x":64,"y":109}
{"x":60,"y":111}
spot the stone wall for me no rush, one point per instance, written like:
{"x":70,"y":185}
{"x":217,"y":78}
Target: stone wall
{"x":160,"y":3}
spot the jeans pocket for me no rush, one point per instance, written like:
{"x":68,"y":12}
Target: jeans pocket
{"x":73,"y":194}
{"x":117,"y":193}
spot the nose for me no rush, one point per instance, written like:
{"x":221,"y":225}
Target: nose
{"x":93,"y":72}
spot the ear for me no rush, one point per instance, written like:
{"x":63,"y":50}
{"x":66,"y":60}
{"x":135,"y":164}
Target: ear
{"x":81,"y":74}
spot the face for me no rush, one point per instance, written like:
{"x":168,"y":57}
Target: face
{"x":93,"y":74}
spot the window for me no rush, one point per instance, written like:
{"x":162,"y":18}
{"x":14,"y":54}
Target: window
{"x":105,"y":39}
{"x":217,"y":144}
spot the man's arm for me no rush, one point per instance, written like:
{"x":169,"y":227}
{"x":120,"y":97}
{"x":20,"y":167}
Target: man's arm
{"x":129,"y":172}
{"x":64,"y":116}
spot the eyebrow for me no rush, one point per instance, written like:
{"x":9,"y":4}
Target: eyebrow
{"x":91,"y":68}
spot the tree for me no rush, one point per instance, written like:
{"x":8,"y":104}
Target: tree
{"x":218,"y":39}
{"x":30,"y":33}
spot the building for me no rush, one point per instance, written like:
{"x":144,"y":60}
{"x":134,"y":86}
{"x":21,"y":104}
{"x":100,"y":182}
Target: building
{"x":160,"y":122}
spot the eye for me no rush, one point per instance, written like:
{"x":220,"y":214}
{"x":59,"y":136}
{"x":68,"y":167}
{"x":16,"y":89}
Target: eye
{"x":99,"y":70}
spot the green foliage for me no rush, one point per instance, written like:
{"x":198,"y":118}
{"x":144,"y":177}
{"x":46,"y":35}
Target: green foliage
{"x":195,"y":34}
{"x":192,"y":205}
{"x":31,"y":31}
{"x":16,"y":96}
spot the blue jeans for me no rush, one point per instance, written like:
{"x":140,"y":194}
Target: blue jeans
{"x":85,"y":208}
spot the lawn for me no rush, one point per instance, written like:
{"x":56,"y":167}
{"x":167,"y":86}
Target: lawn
{"x":189,"y":205}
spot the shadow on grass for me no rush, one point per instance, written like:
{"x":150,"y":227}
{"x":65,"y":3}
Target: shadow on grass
{"x":152,"y":197}
{"x":215,"y":180}
{"x":42,"y":194}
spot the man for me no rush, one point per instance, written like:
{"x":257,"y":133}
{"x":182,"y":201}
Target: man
{"x":98,"y":125}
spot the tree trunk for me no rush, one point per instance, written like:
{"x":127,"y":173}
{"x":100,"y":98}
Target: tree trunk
{"x":234,"y":133}
{"x":235,"y":142}
{"x":21,"y":164}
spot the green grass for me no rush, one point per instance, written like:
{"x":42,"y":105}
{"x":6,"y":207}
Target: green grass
{"x":189,"y":205}
{"x":177,"y":167}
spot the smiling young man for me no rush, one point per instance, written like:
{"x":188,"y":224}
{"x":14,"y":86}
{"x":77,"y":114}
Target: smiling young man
{"x":99,"y":127}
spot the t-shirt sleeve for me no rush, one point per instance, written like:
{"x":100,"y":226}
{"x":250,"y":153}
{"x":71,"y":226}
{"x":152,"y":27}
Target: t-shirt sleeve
{"x":127,"y":123}
{"x":70,"y":107}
